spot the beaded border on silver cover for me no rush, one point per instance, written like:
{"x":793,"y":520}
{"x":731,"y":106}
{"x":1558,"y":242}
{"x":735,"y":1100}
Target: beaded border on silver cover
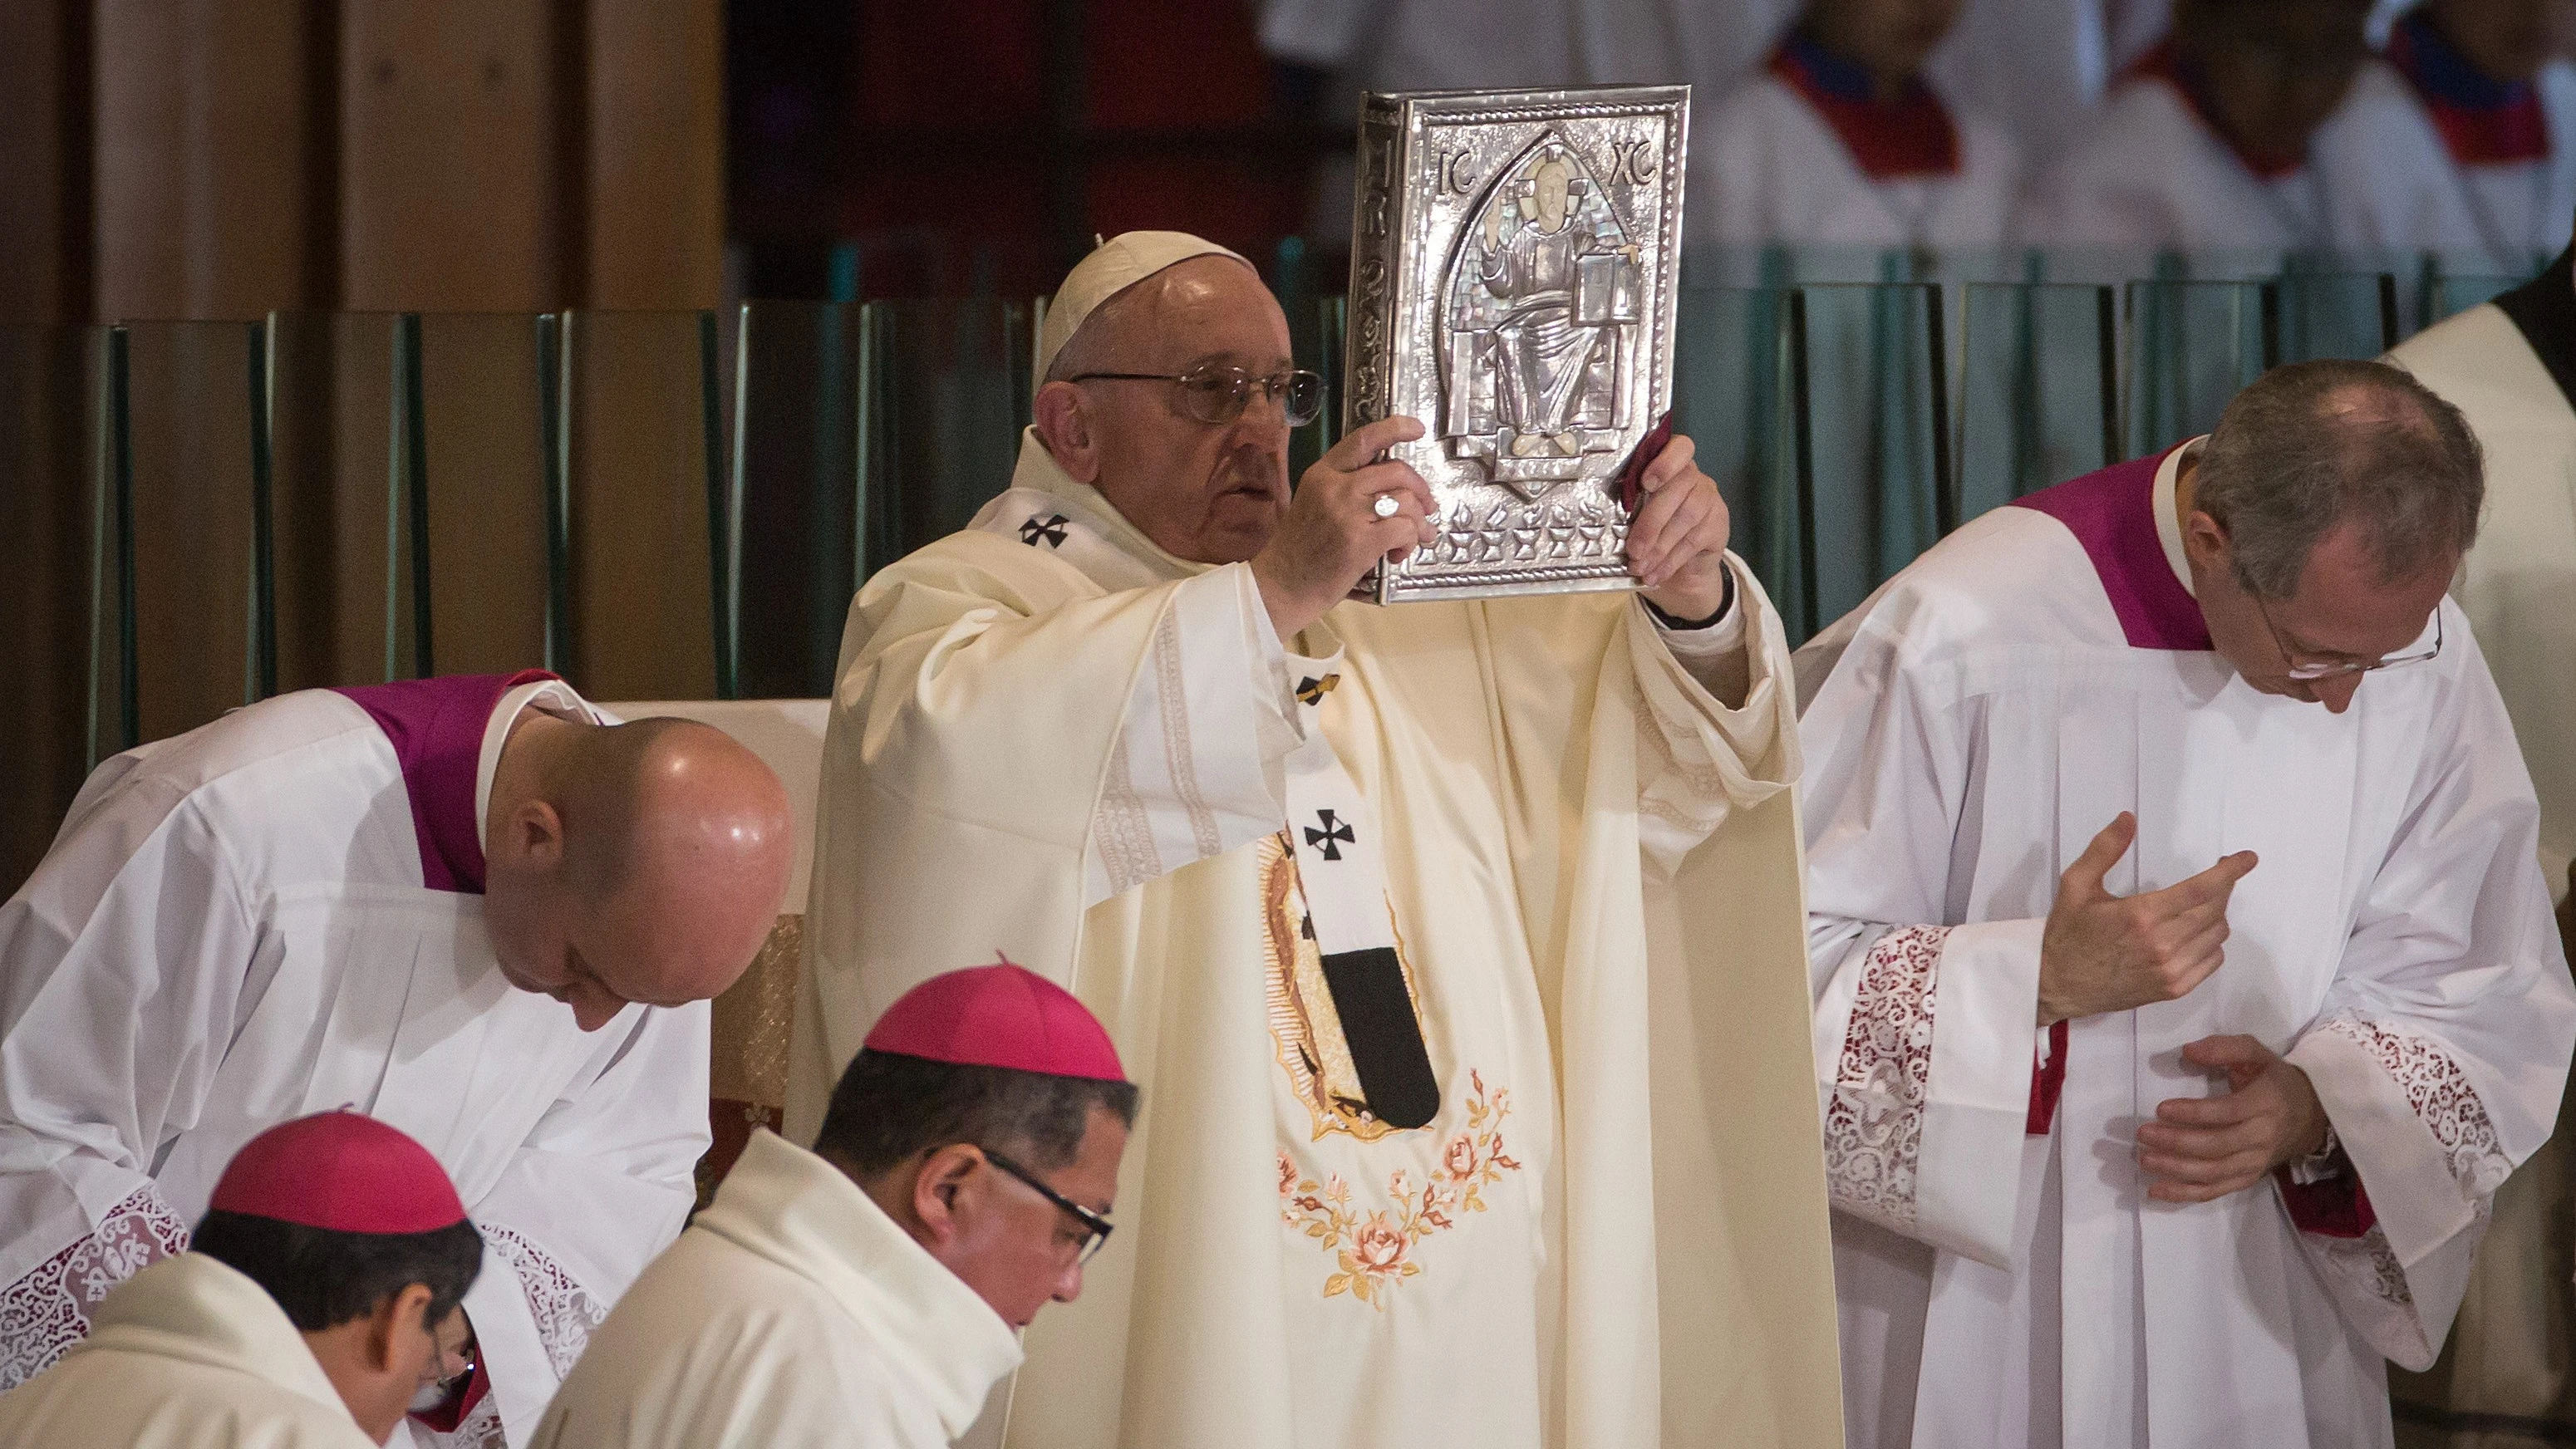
{"x":1515,"y":260}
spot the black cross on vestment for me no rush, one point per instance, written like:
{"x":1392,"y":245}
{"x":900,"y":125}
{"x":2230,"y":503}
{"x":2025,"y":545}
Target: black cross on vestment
{"x":1311,"y":690}
{"x":1049,"y":528}
{"x":1334,"y":835}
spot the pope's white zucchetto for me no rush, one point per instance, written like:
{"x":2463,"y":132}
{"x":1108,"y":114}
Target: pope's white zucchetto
{"x":1114,"y":266}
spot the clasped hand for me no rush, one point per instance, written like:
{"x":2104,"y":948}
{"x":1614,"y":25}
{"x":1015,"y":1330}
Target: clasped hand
{"x":2201,"y":1148}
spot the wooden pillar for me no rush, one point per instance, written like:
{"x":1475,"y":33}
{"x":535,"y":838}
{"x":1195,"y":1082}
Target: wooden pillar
{"x":655,"y":121}
{"x":448,"y":166}
{"x":203,"y":190}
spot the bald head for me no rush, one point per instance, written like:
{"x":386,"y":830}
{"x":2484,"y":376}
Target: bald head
{"x":643,"y":862}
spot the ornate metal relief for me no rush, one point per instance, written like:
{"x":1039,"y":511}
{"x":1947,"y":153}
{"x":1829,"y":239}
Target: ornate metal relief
{"x":1514,"y":271}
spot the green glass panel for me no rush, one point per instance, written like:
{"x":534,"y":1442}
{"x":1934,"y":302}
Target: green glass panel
{"x":794,"y":496}
{"x":2350,"y":315}
{"x":2038,"y":390}
{"x":1315,"y":340}
{"x":1735,"y":397}
{"x":2191,"y":346}
{"x":642,"y":491}
{"x":49,"y":398}
{"x":1879,"y":435}
{"x":180,"y":538}
{"x":2454,"y":295}
{"x":466,"y":475}
{"x":944,"y":389}
{"x":333,"y":423}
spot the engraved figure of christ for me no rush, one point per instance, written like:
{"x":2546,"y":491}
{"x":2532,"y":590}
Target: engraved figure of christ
{"x":1553,"y":373}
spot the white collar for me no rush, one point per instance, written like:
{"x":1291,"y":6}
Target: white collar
{"x":205,"y":1311}
{"x":796,"y":1210}
{"x":554,"y":697}
{"x":2168,"y":518}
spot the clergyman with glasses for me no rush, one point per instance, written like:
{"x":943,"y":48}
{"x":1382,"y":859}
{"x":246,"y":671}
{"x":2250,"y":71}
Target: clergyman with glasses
{"x":868,"y":1292}
{"x":1461,"y":940}
{"x":2184,"y":973}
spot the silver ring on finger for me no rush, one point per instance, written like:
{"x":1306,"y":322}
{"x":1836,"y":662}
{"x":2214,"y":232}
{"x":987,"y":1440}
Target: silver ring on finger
{"x":1385,"y":506}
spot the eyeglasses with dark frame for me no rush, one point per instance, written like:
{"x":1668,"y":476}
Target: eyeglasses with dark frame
{"x":1093,"y":1223}
{"x":2307,"y":673}
{"x":1216,"y":394}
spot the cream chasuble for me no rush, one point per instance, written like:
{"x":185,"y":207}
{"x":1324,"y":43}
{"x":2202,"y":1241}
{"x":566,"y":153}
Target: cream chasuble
{"x":1052,"y":740}
{"x":2508,"y":367}
{"x":2003,"y":1279}
{"x":187,"y":1354}
{"x":793,"y":1314}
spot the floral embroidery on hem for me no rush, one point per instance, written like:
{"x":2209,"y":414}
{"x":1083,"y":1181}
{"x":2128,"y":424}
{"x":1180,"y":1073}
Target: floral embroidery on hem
{"x":564,"y":1311}
{"x":1373,"y":1247}
{"x":1874,"y":1118}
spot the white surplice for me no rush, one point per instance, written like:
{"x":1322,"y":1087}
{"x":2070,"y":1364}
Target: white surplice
{"x":2395,"y":187}
{"x":2144,"y":171}
{"x":1053,"y":740}
{"x":793,"y":1314}
{"x":1766,"y":168}
{"x":1970,"y":729}
{"x":233,"y":930}
{"x":187,"y":1354}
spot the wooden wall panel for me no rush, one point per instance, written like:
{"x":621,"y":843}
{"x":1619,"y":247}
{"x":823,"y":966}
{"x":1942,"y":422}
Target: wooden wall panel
{"x":202,"y":184}
{"x":655,"y":123}
{"x":642,"y":586}
{"x":448,"y":165}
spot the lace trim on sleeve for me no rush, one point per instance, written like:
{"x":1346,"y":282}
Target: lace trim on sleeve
{"x":47,"y":1311}
{"x":2440,"y":1094}
{"x":1874,"y":1119}
{"x":565,"y":1311}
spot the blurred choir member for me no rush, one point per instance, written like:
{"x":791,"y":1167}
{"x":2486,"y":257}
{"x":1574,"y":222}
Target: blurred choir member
{"x":866,"y":1294}
{"x":2511,"y":367}
{"x":2204,"y":144}
{"x":2463,"y":140}
{"x":323,"y":1296}
{"x":474,"y":907}
{"x":1841,"y":141}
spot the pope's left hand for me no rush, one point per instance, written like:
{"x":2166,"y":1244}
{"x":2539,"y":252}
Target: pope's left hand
{"x":2202,"y":1148}
{"x":1677,"y":541}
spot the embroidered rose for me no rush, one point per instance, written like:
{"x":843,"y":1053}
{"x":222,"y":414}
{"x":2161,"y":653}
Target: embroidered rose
{"x":1460,"y":1160}
{"x":1378,"y":1247}
{"x":1287,"y":1175}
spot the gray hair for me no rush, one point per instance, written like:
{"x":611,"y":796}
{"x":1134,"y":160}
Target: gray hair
{"x":2316,"y":444}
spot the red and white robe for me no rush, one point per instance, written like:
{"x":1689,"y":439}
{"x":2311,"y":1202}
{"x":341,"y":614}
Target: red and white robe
{"x":2149,"y":170}
{"x":2431,"y":154}
{"x":2002,"y":1279}
{"x":1803,"y":155}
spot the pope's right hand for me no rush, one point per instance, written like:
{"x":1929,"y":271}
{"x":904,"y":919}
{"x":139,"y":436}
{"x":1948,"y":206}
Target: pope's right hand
{"x":1333,"y":534}
{"x":2102,"y":952}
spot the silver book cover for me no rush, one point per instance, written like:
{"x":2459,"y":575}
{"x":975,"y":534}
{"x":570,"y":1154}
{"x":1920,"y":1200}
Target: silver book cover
{"x":1515,"y":260}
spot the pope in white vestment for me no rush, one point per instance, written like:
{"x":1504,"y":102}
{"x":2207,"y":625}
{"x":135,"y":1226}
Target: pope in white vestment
{"x":2511,"y":367}
{"x":187,"y":1354}
{"x":2004,"y":1280}
{"x":2431,"y":153}
{"x":811,"y":1319}
{"x":1595,"y":1220}
{"x":281,"y":913}
{"x":1804,"y":154}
